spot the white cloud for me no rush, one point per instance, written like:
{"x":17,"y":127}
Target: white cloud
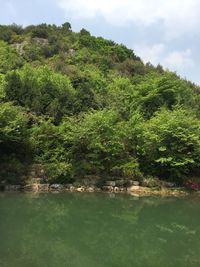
{"x":177,"y":17}
{"x":151,"y":54}
{"x":177,"y":60}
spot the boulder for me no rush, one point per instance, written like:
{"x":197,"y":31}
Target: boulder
{"x":168,"y":184}
{"x":97,"y":189}
{"x":58,"y":187}
{"x":108,"y":188}
{"x":133,"y":188}
{"x":43,"y":187}
{"x":72,"y":188}
{"x":116,"y":189}
{"x":67,"y":186}
{"x":80,"y":189}
{"x":90,"y":189}
{"x":123,"y":189}
{"x":31,"y":187}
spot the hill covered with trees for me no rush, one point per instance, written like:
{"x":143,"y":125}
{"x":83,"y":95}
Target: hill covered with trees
{"x":82,"y":106}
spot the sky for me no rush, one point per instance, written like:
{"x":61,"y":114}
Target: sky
{"x":165,"y":32}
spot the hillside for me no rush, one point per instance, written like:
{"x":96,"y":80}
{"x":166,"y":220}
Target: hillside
{"x":81,"y":106}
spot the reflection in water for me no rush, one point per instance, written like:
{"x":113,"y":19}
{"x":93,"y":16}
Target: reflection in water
{"x":93,"y":230}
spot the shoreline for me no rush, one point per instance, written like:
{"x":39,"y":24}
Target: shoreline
{"x":132,"y":190}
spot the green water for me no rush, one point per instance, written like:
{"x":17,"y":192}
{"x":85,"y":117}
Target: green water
{"x":98,"y":230}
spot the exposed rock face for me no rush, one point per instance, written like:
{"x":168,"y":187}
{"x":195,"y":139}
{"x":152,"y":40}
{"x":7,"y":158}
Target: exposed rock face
{"x":19,"y":47}
{"x":41,"y":41}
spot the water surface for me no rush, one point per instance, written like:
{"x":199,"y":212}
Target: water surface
{"x":98,"y":230}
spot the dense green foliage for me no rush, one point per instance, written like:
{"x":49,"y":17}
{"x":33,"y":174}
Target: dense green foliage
{"x":81,"y":105}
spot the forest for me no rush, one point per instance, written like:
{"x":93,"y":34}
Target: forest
{"x":81,"y":105}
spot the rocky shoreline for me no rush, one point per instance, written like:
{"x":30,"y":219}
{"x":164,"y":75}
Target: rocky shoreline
{"x":37,"y":181}
{"x":135,"y":189}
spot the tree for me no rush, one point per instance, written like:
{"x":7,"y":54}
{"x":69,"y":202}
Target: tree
{"x":9,"y":59}
{"x":66,"y":27}
{"x":170,"y":144}
{"x":41,"y":90}
{"x":13,"y":123}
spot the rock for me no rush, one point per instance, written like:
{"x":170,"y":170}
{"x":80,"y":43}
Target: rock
{"x":116,"y":189}
{"x":123,"y":189}
{"x":31,"y":187}
{"x":13,"y":187}
{"x":72,"y":188}
{"x":110,"y":183}
{"x":71,"y":52}
{"x":19,"y":47}
{"x":80,"y":189}
{"x":58,"y":187}
{"x":108,"y":188}
{"x":168,"y":184}
{"x":90,"y":189}
{"x":67,"y":186}
{"x":41,"y":41}
{"x":43,"y":187}
{"x":133,"y":188}
{"x":97,"y":189}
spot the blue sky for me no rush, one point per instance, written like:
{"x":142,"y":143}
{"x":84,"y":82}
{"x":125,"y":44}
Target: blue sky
{"x":159,"y":31}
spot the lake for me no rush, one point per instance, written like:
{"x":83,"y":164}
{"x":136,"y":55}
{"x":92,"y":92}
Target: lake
{"x":98,"y":230}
